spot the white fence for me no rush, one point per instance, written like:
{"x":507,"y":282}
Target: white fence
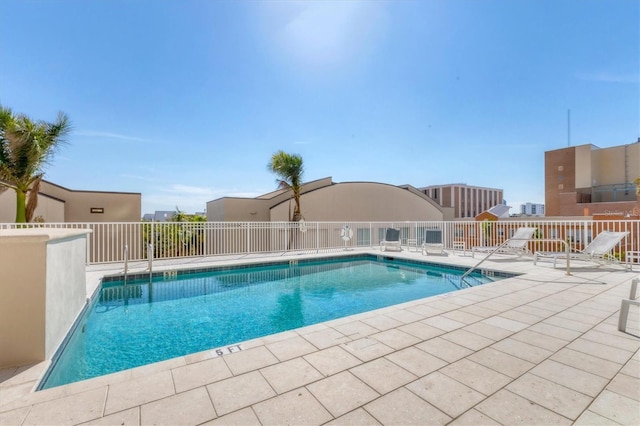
{"x":172,"y":240}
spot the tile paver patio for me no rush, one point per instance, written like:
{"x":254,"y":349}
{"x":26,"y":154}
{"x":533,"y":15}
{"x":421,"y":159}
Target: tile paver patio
{"x":542,"y":348}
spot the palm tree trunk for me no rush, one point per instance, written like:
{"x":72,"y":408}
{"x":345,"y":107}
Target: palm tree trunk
{"x":21,"y":202}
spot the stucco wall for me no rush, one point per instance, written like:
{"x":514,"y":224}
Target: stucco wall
{"x":116,"y":207}
{"x":616,"y":165}
{"x":66,"y":291}
{"x":361,"y":201}
{"x":238,"y":210}
{"x":59,"y":204}
{"x":43,"y":288}
{"x":49,"y":208}
{"x":583,"y":167}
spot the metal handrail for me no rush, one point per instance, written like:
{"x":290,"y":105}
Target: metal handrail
{"x":567,"y":250}
{"x":126,"y":260}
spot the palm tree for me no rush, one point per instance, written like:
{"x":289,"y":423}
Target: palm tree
{"x":288,"y":168}
{"x":25,"y":147}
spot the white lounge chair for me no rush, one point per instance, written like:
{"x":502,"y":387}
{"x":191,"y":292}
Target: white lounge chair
{"x":517,"y":244}
{"x":598,"y":250}
{"x":391,"y":240}
{"x":626,"y":304}
{"x":432,"y":242}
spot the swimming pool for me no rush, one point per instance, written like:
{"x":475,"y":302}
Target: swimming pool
{"x":141,"y":321}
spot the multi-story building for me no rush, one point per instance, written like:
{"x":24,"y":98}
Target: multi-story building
{"x":466,"y":201}
{"x":325,"y":200}
{"x":60,"y":204}
{"x":586,"y":180}
{"x":532,"y":209}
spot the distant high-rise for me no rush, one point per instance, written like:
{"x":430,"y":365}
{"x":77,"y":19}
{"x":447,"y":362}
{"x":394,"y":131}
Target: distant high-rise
{"x":585,"y":180}
{"x":466,"y":201}
{"x":532,"y":209}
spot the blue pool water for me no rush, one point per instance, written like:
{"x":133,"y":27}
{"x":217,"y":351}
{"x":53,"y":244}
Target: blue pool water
{"x":144,"y":322}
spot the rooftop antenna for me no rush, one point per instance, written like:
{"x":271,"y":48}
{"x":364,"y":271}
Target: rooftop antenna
{"x":568,"y":127}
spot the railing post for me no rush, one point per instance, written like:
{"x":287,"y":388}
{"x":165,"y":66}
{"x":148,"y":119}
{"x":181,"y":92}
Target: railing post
{"x":248,"y":238}
{"x":568,"y":252}
{"x":150,"y":257}
{"x":126,"y":259}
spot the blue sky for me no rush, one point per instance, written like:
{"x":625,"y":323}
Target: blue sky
{"x":186,"y":101}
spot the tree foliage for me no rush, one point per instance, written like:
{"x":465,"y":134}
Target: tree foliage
{"x":289,"y":170}
{"x":26,"y":146}
{"x":183,"y":236}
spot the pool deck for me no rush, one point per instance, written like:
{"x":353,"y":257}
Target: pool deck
{"x":541,"y":348}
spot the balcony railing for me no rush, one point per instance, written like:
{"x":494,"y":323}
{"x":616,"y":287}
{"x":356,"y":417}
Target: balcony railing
{"x":172,"y":240}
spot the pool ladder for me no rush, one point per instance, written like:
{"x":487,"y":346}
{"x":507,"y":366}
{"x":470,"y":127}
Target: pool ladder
{"x":567,"y":251}
{"x":125,"y":256}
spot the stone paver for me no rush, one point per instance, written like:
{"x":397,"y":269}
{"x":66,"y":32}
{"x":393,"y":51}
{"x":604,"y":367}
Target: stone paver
{"x":342,"y":393}
{"x":297,"y":407}
{"x":76,"y":409}
{"x":367,"y":348}
{"x":355,"y":329}
{"x":187,"y":408}
{"x":357,"y":417}
{"x":570,"y":377}
{"x":199,"y":374}
{"x":616,"y":407}
{"x":249,"y":360}
{"x":522,"y":350}
{"x":589,"y":418}
{"x":599,"y":350}
{"x":332,"y":360}
{"x":291,"y":374}
{"x":626,"y":386}
{"x":323,"y":339}
{"x":244,"y":417}
{"x":403,"y":407}
{"x":139,"y":391}
{"x":395,"y":338}
{"x":474,"y":417}
{"x":446,"y":394}
{"x":588,"y":363}
{"x":130,"y":417}
{"x":420,"y":330}
{"x":383,"y":375}
{"x":489,"y":331}
{"x":537,"y":351}
{"x":476,"y":376}
{"x":555,"y":397}
{"x":238,"y":392}
{"x":291,"y":348}
{"x":416,"y":361}
{"x":509,"y":409}
{"x":444,"y":349}
{"x":469,"y":340}
{"x":502,"y":362}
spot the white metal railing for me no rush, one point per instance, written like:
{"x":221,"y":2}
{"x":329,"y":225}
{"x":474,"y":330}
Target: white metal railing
{"x":170,"y":240}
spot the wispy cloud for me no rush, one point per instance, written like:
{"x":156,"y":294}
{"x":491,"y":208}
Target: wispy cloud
{"x":302,"y":143}
{"x":608,"y":77}
{"x":109,"y":135}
